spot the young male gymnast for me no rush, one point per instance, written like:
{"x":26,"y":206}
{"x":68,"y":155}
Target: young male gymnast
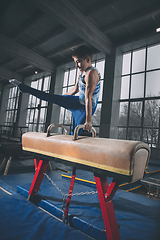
{"x":88,"y":86}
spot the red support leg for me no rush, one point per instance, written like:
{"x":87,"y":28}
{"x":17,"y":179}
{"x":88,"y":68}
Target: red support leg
{"x":36,"y":162}
{"x":70,"y":192}
{"x":41,"y":168}
{"x":105,"y":194}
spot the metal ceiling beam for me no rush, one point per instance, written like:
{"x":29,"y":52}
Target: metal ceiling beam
{"x":55,"y":32}
{"x":141,"y":15}
{"x":70,"y":16}
{"x":27,"y":25}
{"x":69,"y":46}
{"x":99,"y":7}
{"x":27,"y":55}
{"x":7,"y":74}
{"x":120,"y":18}
{"x":5,"y":6}
{"x":8,"y":61}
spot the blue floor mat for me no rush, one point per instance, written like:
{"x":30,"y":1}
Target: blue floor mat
{"x":137,"y":216}
{"x":22,"y":220}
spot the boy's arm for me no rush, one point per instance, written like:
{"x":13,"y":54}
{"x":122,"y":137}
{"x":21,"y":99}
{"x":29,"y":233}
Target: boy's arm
{"x":91,"y":81}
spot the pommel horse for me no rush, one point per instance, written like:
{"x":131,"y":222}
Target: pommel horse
{"x":119,"y":159}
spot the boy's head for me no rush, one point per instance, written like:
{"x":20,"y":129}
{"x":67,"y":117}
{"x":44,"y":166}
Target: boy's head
{"x":82,"y":57}
{"x":82,"y":52}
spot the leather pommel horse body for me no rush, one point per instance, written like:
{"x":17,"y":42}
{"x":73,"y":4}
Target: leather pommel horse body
{"x":120,"y":159}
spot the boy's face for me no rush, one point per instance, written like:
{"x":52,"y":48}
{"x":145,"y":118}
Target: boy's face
{"x":82,"y":63}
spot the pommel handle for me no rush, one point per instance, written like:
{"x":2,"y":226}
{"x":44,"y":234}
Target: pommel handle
{"x":55,"y":125}
{"x":76,"y":130}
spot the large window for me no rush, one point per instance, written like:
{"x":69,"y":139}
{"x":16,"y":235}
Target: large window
{"x":140,"y":96}
{"x":37,"y":109}
{"x":11,"y":112}
{"x":12,"y":106}
{"x":70,"y":78}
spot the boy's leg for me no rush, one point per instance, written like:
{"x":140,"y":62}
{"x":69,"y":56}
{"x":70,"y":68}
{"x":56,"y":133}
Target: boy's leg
{"x":67,"y":101}
{"x":79,"y":117}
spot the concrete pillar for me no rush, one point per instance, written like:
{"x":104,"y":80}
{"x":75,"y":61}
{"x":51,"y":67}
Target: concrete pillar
{"x":116,"y":95}
{"x":4,"y":103}
{"x":57,"y":90}
{"x":50,"y":105}
{"x":24,"y":98}
{"x":107,"y":95}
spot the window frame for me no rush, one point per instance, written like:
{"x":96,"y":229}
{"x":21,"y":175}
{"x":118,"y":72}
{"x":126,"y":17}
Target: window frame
{"x":143,"y":100}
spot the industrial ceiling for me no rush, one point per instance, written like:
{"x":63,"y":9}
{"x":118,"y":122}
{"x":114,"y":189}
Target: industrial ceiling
{"x":39,"y":35}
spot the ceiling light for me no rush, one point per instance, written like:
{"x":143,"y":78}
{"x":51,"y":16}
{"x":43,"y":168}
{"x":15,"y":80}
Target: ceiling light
{"x":158,"y":30}
{"x":35,"y":72}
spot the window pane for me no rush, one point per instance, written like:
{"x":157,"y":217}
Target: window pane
{"x":44,"y":103}
{"x":28,"y":115}
{"x":39,"y":84}
{"x":34,"y":127}
{"x":16,"y":103}
{"x":41,"y":128}
{"x":30,"y":101}
{"x":100,"y":66}
{"x":138,"y":61}
{"x":93,"y":64}
{"x":125,"y":87}
{"x":122,"y":133}
{"x":123,"y":114}
{"x":8,"y":107}
{"x":61,"y":117}
{"x":64,"y":91}
{"x":152,"y":113}
{"x":97,"y":115}
{"x":42,"y":115}
{"x":134,"y":134}
{"x":65,"y":78}
{"x":150,"y":136}
{"x":31,"y":115}
{"x":35,"y":116}
{"x":137,"y":86}
{"x":10,"y":93}
{"x":72,"y":77}
{"x":46,"y":85}
{"x":135,"y":113}
{"x":13,"y":103}
{"x":15,"y":115}
{"x":13,"y":92}
{"x":34,"y":84}
{"x":69,"y":88}
{"x":126,"y":63}
{"x":153,"y":84}
{"x":101,"y":91}
{"x":153,"y":57}
{"x":30,"y":127}
{"x":33,"y":103}
{"x":68,"y":116}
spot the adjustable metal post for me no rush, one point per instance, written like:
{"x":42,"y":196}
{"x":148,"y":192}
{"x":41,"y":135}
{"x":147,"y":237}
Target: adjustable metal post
{"x":69,"y":194}
{"x":105,"y":194}
{"x":40,"y":167}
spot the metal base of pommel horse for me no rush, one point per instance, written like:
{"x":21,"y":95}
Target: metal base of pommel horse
{"x":105,"y":191}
